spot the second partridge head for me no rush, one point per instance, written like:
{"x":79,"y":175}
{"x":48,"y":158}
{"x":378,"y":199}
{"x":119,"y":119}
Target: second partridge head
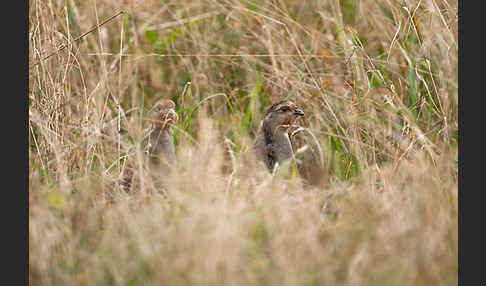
{"x":163,"y":114}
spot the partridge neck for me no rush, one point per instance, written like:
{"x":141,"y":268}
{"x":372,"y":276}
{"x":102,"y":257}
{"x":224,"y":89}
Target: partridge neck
{"x":164,"y":142}
{"x":279,"y":142}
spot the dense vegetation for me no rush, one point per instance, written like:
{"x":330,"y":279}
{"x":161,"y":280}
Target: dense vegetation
{"x":373,"y":202}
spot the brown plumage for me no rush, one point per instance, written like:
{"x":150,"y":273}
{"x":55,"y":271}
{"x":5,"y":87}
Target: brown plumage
{"x":158,"y":144}
{"x":272,"y":143}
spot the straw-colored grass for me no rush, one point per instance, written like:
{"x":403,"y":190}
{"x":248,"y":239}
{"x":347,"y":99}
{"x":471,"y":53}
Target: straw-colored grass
{"x":372,"y":202}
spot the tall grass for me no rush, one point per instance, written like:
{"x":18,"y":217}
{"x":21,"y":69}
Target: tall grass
{"x":374,"y":201}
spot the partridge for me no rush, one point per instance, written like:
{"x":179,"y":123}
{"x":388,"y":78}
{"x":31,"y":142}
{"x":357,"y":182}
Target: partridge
{"x":272,"y":143}
{"x":158,"y":143}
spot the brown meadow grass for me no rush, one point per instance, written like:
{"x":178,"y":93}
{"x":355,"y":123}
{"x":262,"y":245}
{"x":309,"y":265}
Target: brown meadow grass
{"x":373,"y":201}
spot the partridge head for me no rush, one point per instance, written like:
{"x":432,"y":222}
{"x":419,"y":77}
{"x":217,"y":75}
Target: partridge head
{"x":163,"y":115}
{"x":281,"y":115}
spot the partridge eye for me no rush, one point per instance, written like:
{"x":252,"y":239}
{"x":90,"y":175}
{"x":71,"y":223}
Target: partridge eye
{"x":284,"y":109}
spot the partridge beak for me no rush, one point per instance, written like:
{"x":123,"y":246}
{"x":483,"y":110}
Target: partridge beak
{"x":173,"y":114}
{"x":298,"y":112}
